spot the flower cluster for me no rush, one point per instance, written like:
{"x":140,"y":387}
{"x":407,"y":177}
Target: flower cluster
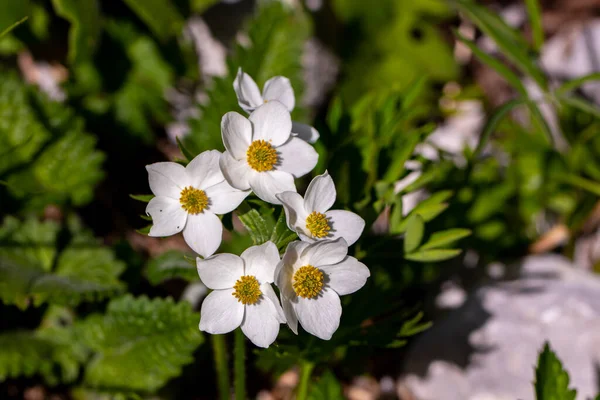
{"x":264,"y":154}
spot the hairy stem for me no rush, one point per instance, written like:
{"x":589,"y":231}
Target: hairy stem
{"x":220,"y":355}
{"x":239,"y":365}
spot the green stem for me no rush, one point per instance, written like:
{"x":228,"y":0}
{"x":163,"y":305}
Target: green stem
{"x":220,"y":355}
{"x":305,"y":370}
{"x":239,"y":365}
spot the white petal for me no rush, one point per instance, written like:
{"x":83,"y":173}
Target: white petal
{"x":290,"y":314}
{"x":167,"y":179}
{"x":220,"y":271}
{"x":221,"y":312}
{"x":261,"y":261}
{"x":346,"y":276}
{"x":320,"y":316}
{"x":236,"y":172}
{"x":269,"y":293}
{"x":204,"y":171}
{"x":283,"y":280}
{"x":168,"y":218}
{"x":236,"y":132}
{"x":280,"y":88}
{"x":224,"y":198}
{"x":320,"y":194}
{"x":306,"y":238}
{"x":293,"y":205}
{"x":293,"y":254}
{"x":296,"y":157}
{"x":345,"y":224}
{"x":325,"y":252}
{"x":267,"y":184}
{"x":203,"y":233}
{"x":271,"y":122}
{"x":305,"y":132}
{"x":261,"y":323}
{"x":246,"y":91}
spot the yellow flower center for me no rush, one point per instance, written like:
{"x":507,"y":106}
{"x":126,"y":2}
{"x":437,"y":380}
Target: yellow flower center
{"x":317,"y":224}
{"x":261,"y":156}
{"x":307,"y":281}
{"x":193,"y":200}
{"x":247,"y":290}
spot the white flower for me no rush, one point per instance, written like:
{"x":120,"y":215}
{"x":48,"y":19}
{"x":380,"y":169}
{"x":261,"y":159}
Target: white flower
{"x":311,"y":277}
{"x":309,"y":216}
{"x":187,"y":199}
{"x":261,"y":155}
{"x":277,"y":88}
{"x":242,"y":294}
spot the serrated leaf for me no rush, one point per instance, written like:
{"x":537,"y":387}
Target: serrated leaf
{"x":84,"y":16}
{"x":161,"y":16}
{"x":281,"y":235}
{"x":259,"y":228}
{"x":169,"y":265}
{"x":432,"y":255}
{"x":50,"y":353}
{"x":140,"y":343}
{"x":415,"y":226}
{"x":145,"y":198}
{"x":551,"y":379}
{"x":326,"y":387}
{"x":443,"y":238}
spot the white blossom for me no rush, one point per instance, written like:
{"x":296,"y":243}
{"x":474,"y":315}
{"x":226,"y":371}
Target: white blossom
{"x":261,"y":153}
{"x":311,"y":218}
{"x":187,"y":199}
{"x":242,"y":294}
{"x":278,"y":88}
{"x":311,"y":277}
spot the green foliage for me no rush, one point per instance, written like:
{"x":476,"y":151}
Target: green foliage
{"x":85,"y":19}
{"x":414,"y":233}
{"x":326,"y":387}
{"x":276,"y":35}
{"x":551,"y":379}
{"x":50,"y":353}
{"x":32,"y":270}
{"x":140,"y":343}
{"x":161,"y":16}
{"x":46,"y":155}
{"x":12,"y":14}
{"x":263,"y":227}
{"x":171,"y":264}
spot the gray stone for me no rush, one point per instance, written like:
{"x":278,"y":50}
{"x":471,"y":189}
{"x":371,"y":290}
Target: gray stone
{"x":487,"y":349}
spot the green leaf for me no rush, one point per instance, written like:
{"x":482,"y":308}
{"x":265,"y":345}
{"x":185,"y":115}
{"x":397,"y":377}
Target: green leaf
{"x":551,"y":379}
{"x":583,"y":183}
{"x":50,"y":353}
{"x":11,"y":27}
{"x":582,"y":105}
{"x":432,"y":255}
{"x":535,"y":19}
{"x":326,"y":387}
{"x":169,"y":265}
{"x":31,"y":269}
{"x":414,"y":233}
{"x":575,"y":83}
{"x":259,"y":228}
{"x":139,"y":343}
{"x":161,"y":16}
{"x":199,"y":6}
{"x":144,"y":198}
{"x":282,"y":235}
{"x":512,"y":44}
{"x":84,"y":16}
{"x":443,"y":238}
{"x":186,"y":153}
{"x":12,"y":14}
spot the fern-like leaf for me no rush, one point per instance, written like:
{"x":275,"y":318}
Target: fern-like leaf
{"x":140,"y":343}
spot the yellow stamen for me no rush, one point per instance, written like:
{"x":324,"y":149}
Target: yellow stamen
{"x":317,"y":224}
{"x":261,"y":156}
{"x":193,"y":200}
{"x":247,"y":290}
{"x":307,"y":282}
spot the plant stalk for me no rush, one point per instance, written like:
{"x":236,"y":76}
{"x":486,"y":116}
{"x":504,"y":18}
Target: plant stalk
{"x":239,"y":365}
{"x":220,"y":356}
{"x":305,"y":371}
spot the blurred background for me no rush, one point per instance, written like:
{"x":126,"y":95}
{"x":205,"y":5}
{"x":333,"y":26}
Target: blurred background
{"x":466,"y":134}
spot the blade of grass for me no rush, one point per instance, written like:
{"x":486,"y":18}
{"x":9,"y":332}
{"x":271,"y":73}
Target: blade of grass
{"x":13,"y":26}
{"x":535,"y":19}
{"x":575,"y":83}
